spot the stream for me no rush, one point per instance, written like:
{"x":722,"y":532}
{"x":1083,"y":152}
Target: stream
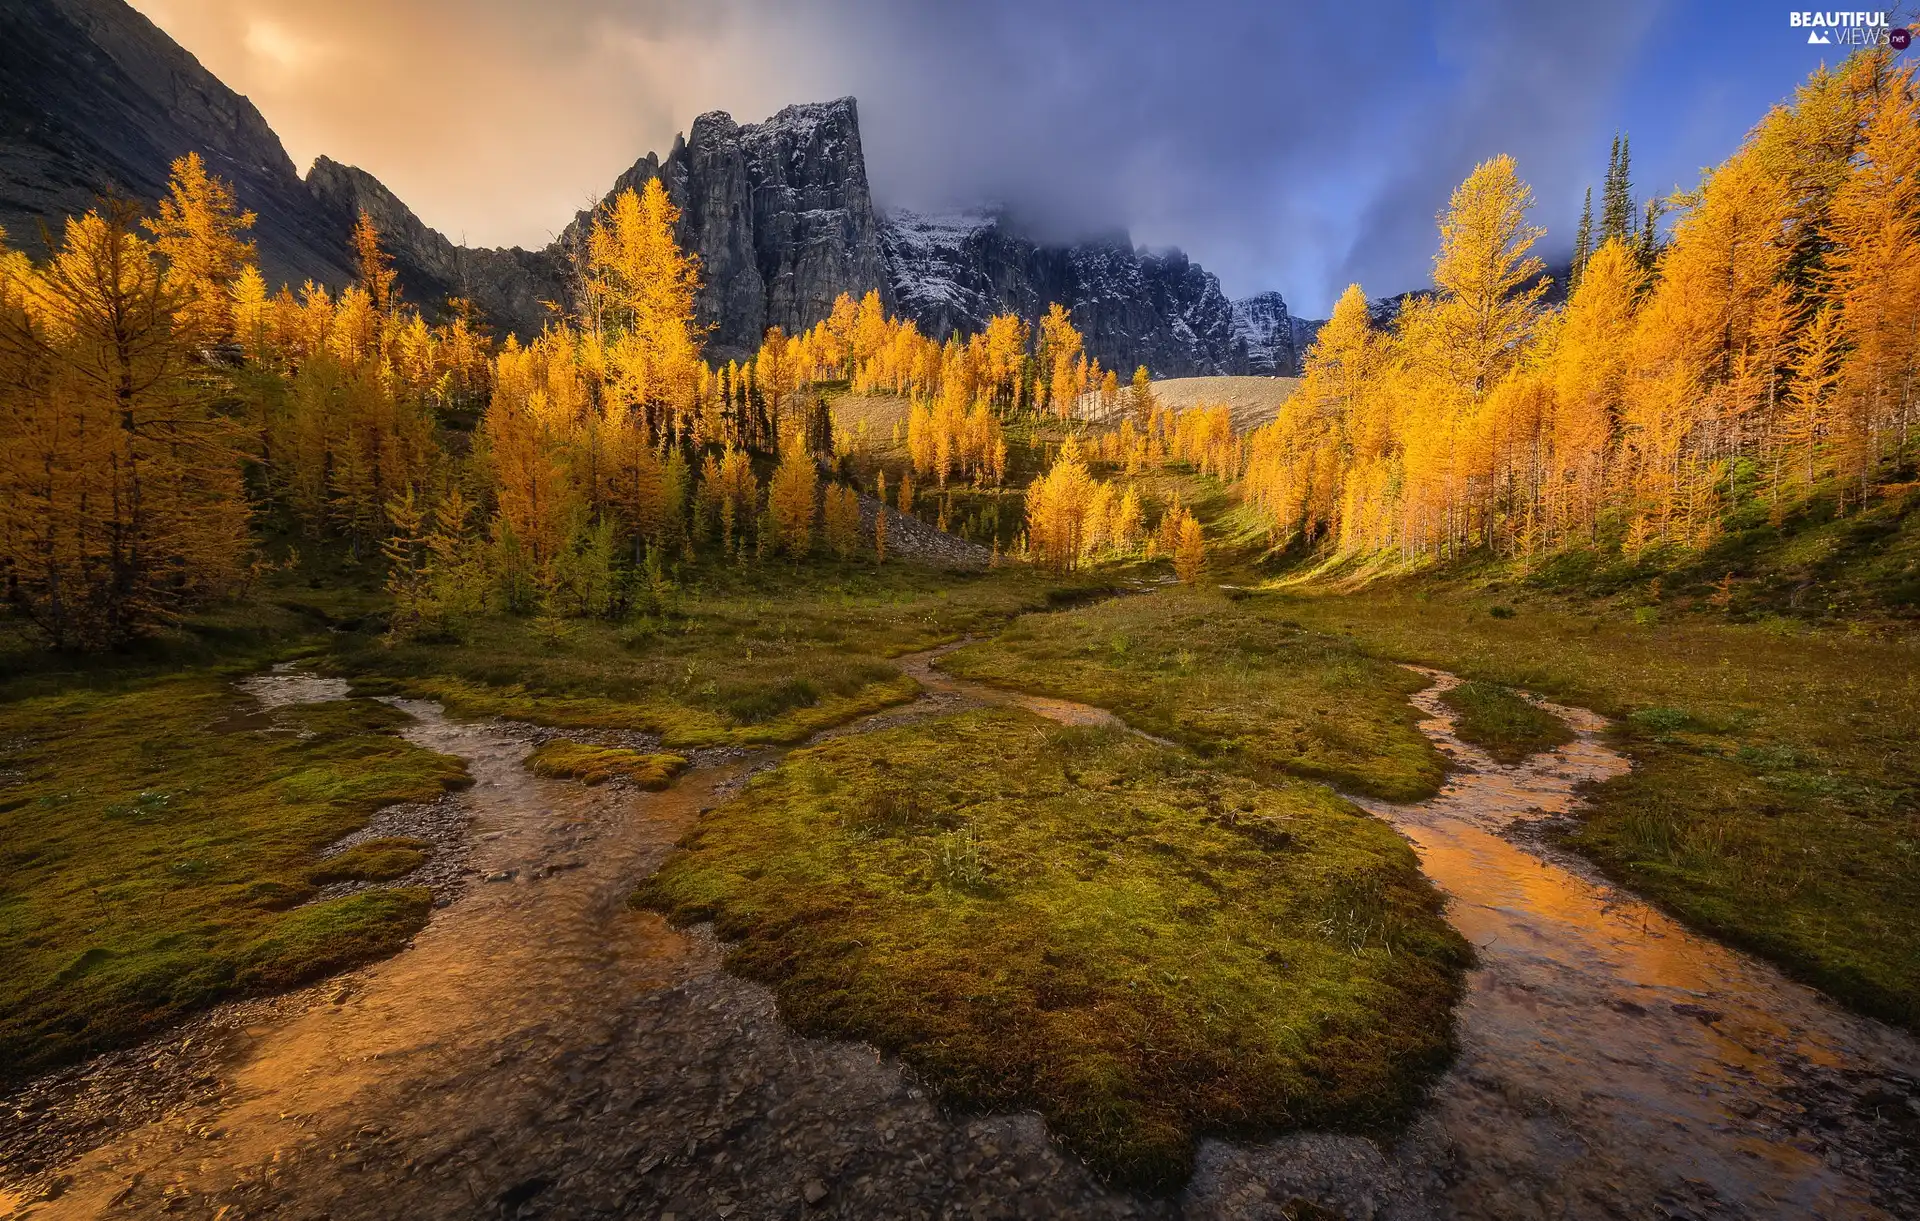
{"x":542,"y":1049}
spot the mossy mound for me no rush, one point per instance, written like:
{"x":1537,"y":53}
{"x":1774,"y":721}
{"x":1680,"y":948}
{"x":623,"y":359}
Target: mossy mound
{"x":1504,"y":723}
{"x":373,"y":860}
{"x":564,"y":760}
{"x":1141,"y":948}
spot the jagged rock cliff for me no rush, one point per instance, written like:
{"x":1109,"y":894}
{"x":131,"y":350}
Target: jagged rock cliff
{"x":951,"y":272}
{"x":94,"y":98}
{"x":1266,"y":335}
{"x":779,"y":214}
{"x":515,"y":289}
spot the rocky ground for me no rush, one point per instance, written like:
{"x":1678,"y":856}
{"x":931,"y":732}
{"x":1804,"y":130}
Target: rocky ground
{"x":1252,"y":400}
{"x":910,"y":538}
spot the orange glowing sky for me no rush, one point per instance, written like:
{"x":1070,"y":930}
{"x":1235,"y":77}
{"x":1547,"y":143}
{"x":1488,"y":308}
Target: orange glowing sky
{"x":494,"y":119}
{"x":1283,"y":143}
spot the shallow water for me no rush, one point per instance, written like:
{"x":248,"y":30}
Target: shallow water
{"x":1613,"y":1063}
{"x":944,"y":686}
{"x":543,"y":1049}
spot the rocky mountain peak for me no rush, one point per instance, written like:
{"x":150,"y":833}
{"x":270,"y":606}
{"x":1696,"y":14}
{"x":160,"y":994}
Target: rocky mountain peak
{"x":1267,"y":335}
{"x":951,"y":271}
{"x":94,"y":97}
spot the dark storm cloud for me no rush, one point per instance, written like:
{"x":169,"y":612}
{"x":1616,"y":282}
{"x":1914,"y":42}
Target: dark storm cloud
{"x":1283,"y":145}
{"x":1534,"y":81}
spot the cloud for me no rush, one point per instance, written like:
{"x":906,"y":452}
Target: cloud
{"x":1283,"y":145}
{"x":1535,"y":81}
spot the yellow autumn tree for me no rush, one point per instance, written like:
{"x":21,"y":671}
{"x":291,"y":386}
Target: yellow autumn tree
{"x":1059,"y":357}
{"x":792,"y":499}
{"x":841,"y":514}
{"x":373,"y":266}
{"x":1872,"y":276}
{"x":1057,"y":505}
{"x":1589,"y":383}
{"x":120,"y":497}
{"x":1190,"y":553}
{"x":198,"y":229}
{"x":641,"y":290}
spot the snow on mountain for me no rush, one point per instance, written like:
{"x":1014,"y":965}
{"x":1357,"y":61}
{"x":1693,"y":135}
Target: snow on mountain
{"x":952,"y":271}
{"x":1266,"y":333}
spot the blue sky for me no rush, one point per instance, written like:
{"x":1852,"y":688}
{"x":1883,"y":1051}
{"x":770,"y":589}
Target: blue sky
{"x":1285,"y":146}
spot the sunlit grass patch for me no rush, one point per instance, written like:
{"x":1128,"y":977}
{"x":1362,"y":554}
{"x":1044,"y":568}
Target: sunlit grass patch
{"x":1078,"y":921}
{"x":742,"y":656}
{"x":1774,"y":786}
{"x":591,"y":764}
{"x":1229,"y":679}
{"x":373,"y":860}
{"x":1503,"y":722}
{"x":151,"y":864}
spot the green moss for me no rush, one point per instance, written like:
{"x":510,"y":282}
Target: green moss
{"x":1140,"y":947}
{"x":598,"y":764}
{"x":1229,"y":679}
{"x":678,"y":725}
{"x":745,"y":657}
{"x":1504,"y":723}
{"x":152,"y":857}
{"x":322,"y":938}
{"x":373,"y":860}
{"x":1772,"y":796}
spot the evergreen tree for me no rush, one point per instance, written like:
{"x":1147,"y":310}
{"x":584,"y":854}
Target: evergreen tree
{"x":1616,"y":209}
{"x":1582,"y":243}
{"x":1648,"y":244}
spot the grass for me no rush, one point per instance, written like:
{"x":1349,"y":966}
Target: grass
{"x":1817,"y":564}
{"x":151,"y":859}
{"x":1503,"y":722}
{"x":590,"y":764}
{"x":1230,"y":679}
{"x":373,"y":860}
{"x":761,"y":655}
{"x":1141,"y":947}
{"x":1774,"y":792}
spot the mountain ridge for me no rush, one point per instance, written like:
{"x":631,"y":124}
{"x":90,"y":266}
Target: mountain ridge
{"x":94,"y":97}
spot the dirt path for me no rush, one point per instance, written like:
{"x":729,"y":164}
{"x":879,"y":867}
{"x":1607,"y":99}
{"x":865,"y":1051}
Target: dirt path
{"x":544,"y":1050}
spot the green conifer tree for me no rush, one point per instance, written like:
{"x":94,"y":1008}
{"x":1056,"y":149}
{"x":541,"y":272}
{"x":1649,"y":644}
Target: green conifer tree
{"x":1616,"y":208}
{"x":1582,"y":242}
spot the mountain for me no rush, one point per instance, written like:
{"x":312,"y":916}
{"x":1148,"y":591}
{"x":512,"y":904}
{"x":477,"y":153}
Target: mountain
{"x":1267,"y":335}
{"x":950,"y":272}
{"x":96,"y":98}
{"x":778,"y":213}
{"x":512,"y":287}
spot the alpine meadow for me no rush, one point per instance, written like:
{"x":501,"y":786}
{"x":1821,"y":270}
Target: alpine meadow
{"x":782,"y":704}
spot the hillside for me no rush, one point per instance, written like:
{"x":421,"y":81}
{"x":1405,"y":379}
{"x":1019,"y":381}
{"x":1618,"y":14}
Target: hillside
{"x":94,"y":98}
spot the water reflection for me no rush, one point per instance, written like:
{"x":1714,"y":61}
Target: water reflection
{"x":1611,"y":1060}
